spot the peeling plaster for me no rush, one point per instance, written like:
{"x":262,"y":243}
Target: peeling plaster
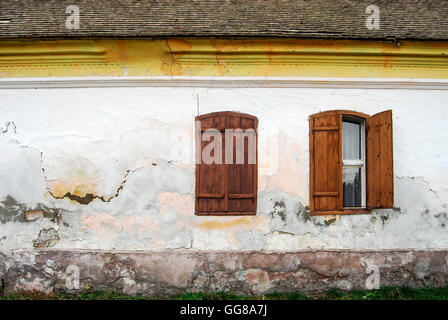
{"x":126,"y":180}
{"x":87,"y":198}
{"x":46,"y":238}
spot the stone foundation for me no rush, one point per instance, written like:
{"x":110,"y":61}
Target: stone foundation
{"x":241,"y":272}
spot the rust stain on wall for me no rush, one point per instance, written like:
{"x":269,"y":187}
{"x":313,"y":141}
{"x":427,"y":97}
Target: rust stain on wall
{"x":80,"y":189}
{"x":79,"y":186}
{"x":247,"y":222}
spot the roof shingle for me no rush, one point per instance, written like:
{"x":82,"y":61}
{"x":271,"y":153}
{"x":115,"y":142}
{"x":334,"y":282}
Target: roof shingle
{"x":399,"y":19}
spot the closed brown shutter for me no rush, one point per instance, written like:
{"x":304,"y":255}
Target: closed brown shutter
{"x":227,"y":189}
{"x":210,"y":178}
{"x":380,"y":171}
{"x":325,"y":162}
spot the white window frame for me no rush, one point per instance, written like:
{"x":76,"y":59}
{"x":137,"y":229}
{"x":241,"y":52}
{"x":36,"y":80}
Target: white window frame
{"x":358,"y":163}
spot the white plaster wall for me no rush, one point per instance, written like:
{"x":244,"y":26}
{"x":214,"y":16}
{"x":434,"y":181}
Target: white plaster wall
{"x":134,"y":148}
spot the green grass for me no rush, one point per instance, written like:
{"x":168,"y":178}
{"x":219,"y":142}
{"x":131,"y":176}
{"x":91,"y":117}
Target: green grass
{"x":386,"y":293}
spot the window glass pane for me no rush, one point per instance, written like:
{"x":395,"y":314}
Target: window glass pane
{"x":351,"y":187}
{"x":351,"y":140}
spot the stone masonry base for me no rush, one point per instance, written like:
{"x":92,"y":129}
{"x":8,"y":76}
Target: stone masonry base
{"x":243,"y":272}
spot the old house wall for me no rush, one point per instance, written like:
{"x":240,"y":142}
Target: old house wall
{"x":112,"y":168}
{"x":98,"y":179}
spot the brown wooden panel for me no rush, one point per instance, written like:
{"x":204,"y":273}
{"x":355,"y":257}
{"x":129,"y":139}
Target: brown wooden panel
{"x":212,"y":195}
{"x":326,"y":194}
{"x":325,"y":162}
{"x":248,"y":174}
{"x":235,"y":171}
{"x":327,"y":128}
{"x":237,"y":182}
{"x":211,"y":177}
{"x":379,"y":161}
{"x":241,"y":176}
{"x":241,"y":195}
{"x":207,"y":123}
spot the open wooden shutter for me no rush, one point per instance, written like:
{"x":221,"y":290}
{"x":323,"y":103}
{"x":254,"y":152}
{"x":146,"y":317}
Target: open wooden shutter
{"x":227,"y":189}
{"x":325,"y":162}
{"x":380,"y":171}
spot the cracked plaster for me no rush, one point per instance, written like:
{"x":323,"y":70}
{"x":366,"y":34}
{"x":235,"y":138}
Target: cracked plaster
{"x":118,"y":172}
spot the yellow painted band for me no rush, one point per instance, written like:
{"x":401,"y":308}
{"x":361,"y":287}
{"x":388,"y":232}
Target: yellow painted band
{"x":224,"y":57}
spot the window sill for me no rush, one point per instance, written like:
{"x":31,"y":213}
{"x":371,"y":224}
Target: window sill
{"x":341,"y":212}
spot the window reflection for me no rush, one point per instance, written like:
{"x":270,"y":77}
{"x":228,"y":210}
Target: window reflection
{"x":352,"y":187}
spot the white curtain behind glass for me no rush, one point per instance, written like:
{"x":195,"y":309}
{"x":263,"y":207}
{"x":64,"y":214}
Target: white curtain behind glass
{"x":351,"y":141}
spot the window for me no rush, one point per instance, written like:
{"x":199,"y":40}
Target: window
{"x":351,"y":162}
{"x":226,"y":164}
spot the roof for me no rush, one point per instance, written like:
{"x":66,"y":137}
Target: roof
{"x":336,"y":19}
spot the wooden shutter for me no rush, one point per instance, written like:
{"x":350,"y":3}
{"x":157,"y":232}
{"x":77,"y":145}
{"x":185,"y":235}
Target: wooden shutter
{"x":210,"y":178}
{"x":380,"y":172}
{"x":226,"y":189}
{"x":325,"y":162}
